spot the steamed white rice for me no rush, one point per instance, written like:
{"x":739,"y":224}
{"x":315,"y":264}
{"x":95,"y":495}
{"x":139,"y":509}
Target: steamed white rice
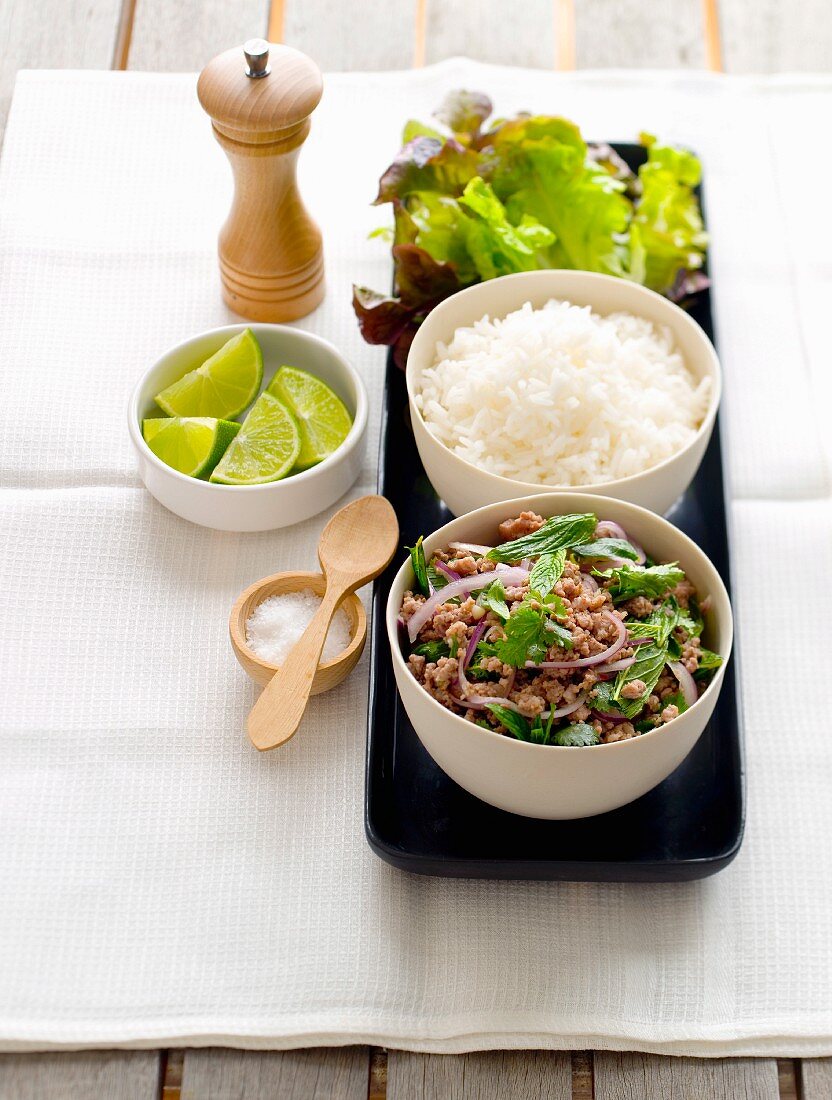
{"x":562,"y":396}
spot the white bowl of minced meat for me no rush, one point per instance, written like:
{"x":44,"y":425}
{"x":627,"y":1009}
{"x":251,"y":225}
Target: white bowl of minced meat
{"x":559,"y":655}
{"x":561,"y":380}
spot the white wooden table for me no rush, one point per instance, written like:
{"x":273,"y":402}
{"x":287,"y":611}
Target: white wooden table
{"x":178,"y":35}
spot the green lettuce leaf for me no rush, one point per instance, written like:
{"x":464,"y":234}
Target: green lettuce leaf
{"x":427,"y":164}
{"x":464,"y":112}
{"x":543,"y":170}
{"x":495,"y":245}
{"x":667,"y":237}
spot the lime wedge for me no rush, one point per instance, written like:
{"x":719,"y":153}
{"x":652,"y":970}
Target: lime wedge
{"x":323,"y":421}
{"x":266,"y":448}
{"x":191,"y":445}
{"x":223,"y":386}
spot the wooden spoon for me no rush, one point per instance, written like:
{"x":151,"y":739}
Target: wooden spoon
{"x":356,"y":545}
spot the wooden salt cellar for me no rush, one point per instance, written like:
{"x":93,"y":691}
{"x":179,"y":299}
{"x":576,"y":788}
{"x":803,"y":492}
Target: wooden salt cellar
{"x":260,"y":98}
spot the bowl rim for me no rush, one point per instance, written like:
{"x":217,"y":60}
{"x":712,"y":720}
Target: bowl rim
{"x":589,"y":278}
{"x":352,"y":440}
{"x":236,"y":627}
{"x":687,"y":543}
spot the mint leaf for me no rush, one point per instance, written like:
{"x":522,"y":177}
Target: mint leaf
{"x":559,"y":532}
{"x":420,"y":569}
{"x":578,"y":735}
{"x":606,"y":548}
{"x":515,"y":723}
{"x":546,"y":572}
{"x":649,"y":662}
{"x":639,"y":580}
{"x":555,"y":606}
{"x":494,"y":598}
{"x":432,"y":651}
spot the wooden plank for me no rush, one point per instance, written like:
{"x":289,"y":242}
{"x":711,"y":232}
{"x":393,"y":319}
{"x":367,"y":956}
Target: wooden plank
{"x":769,"y":36}
{"x":339,"y":1073}
{"x":632,"y":34}
{"x":84,"y":38}
{"x":184,"y":36}
{"x":481,"y":31}
{"x":509,"y":1075}
{"x":816,"y":1076}
{"x":649,"y":1077}
{"x":378,"y":34}
{"x":115,"y":1074}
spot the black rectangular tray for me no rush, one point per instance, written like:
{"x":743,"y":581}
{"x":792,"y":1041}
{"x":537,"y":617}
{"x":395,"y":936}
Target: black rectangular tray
{"x":418,"y":819}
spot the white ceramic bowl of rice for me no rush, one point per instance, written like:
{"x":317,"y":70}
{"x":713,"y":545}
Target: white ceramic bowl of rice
{"x":561,"y":380}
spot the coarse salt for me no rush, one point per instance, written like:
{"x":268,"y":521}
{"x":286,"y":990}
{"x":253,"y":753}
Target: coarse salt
{"x":278,"y":622}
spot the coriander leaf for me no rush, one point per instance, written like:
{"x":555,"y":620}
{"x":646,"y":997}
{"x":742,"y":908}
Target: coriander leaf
{"x":601,"y":697}
{"x":482,"y":722}
{"x":420,"y":569}
{"x":649,"y":662}
{"x":559,"y":635}
{"x":709,"y":659}
{"x":578,"y":735}
{"x":555,"y":605}
{"x":678,"y":700}
{"x":607,"y":548}
{"x":494,"y":598}
{"x":515,"y":723}
{"x":432,"y":651}
{"x":559,"y":532}
{"x":546,"y":572}
{"x":527,"y":637}
{"x":708,"y":663}
{"x":637,"y":580}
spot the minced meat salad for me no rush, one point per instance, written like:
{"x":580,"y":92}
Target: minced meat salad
{"x":564,"y":633}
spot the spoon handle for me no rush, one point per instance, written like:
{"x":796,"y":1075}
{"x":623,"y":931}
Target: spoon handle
{"x":276,"y":715}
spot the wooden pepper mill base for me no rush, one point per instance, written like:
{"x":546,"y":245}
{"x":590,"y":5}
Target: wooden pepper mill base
{"x":270,"y":252}
{"x":274,"y":298}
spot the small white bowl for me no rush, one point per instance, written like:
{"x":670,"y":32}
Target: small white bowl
{"x":548,"y":781}
{"x":464,"y":486}
{"x":277,"y":503}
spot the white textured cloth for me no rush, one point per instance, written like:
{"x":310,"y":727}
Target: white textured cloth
{"x":160,"y":881}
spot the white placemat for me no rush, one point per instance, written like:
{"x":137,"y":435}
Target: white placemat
{"x":161,"y":882}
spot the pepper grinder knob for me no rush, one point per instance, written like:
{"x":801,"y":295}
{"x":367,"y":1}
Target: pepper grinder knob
{"x":257,"y":56}
{"x":270,"y":250}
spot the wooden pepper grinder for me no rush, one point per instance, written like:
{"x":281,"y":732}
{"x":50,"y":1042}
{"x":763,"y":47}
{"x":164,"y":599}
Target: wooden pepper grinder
{"x":260,"y":98}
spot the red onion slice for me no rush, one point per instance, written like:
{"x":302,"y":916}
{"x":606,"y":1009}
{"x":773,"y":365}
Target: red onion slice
{"x":472,"y":644}
{"x":480,"y":702}
{"x":589,"y":583}
{"x":584,"y":662}
{"x":462,"y":587}
{"x":616,"y":666}
{"x":470,"y":547}
{"x":686,"y":681}
{"x":451,"y":574}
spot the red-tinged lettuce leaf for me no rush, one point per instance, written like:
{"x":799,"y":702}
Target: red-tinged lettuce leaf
{"x":541,"y":170}
{"x":496,"y":246}
{"x":421,"y":283}
{"x":427,"y":164}
{"x":464,"y":112}
{"x":667,"y":237}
